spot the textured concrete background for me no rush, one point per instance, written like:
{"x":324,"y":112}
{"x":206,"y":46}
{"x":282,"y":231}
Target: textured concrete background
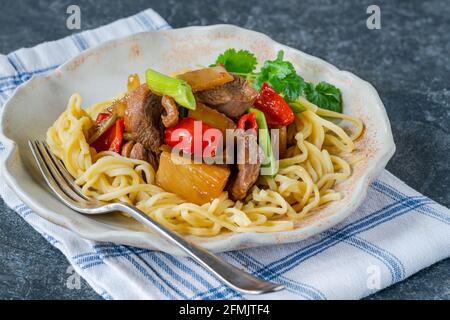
{"x":408,"y":61}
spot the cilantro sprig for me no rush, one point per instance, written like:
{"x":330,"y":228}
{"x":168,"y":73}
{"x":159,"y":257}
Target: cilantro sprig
{"x":324,"y":95}
{"x":282,"y":77}
{"x":242,"y":61}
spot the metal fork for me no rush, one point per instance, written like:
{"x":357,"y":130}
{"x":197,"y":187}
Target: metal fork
{"x":63,"y":185}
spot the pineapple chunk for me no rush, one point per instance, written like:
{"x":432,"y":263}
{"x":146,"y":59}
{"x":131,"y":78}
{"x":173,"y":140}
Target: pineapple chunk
{"x":212,"y":117}
{"x":196,"y":183}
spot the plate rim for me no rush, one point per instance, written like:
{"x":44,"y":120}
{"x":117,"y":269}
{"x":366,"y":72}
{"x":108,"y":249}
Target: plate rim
{"x":237,"y":240}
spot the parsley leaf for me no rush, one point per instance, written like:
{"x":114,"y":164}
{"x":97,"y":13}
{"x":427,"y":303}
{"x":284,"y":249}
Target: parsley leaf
{"x":242,"y":61}
{"x":282,"y":77}
{"x":278,"y":68}
{"x":325,"y":96}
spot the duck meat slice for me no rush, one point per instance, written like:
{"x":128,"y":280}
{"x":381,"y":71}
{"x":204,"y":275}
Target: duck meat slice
{"x":232,"y":98}
{"x":143,"y":118}
{"x":249,"y":159}
{"x":139,"y":152}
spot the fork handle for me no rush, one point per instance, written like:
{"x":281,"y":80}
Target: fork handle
{"x":229,"y":274}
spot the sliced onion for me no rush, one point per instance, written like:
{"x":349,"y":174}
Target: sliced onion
{"x":98,"y":129}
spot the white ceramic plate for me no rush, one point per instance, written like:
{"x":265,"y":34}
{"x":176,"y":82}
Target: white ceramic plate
{"x":101,"y":72}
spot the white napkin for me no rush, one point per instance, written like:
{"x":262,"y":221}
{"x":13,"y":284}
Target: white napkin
{"x":395,"y":233}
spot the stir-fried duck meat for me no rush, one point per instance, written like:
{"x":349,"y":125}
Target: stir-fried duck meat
{"x":170,"y":119}
{"x":143,"y":118}
{"x":135,"y":150}
{"x":147,"y":115}
{"x":140,"y":153}
{"x":126,"y":149}
{"x":232,"y":98}
{"x":249,"y":159}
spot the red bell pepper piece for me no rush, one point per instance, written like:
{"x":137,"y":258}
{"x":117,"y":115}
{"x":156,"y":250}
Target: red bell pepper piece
{"x":116,"y":144}
{"x":188,"y":134}
{"x":248,"y":122}
{"x":101,"y":117}
{"x":275,"y":109}
{"x":111,"y":139}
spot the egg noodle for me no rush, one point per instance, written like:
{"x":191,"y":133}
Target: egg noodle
{"x":305,"y":179}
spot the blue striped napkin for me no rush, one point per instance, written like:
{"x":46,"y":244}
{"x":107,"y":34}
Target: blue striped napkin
{"x":394,"y":234}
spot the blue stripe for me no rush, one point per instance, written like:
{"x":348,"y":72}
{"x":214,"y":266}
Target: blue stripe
{"x":19,"y":63}
{"x":148,"y":24}
{"x":76,"y":43}
{"x":15,"y":62}
{"x":83,"y":41}
{"x":49,"y":238}
{"x":10,"y":83}
{"x":184,"y":268}
{"x":152,"y":278}
{"x":302,"y":289}
{"x":104,"y":246}
{"x":167,"y":280}
{"x":24,"y":74}
{"x":22,"y":205}
{"x":394,"y":265}
{"x":101,"y":254}
{"x":218,"y":292}
{"x":142,"y":24}
{"x":170,"y":272}
{"x":145,"y":22}
{"x":23,"y":210}
{"x":89,"y":260}
{"x":79,"y":42}
{"x":149,"y":277}
{"x":82,"y":255}
{"x":396,"y":194}
{"x":104,"y":251}
{"x":12,"y":62}
{"x":119,"y":251}
{"x":148,"y":21}
{"x":388,"y":191}
{"x":93,"y":264}
{"x":432,"y":213}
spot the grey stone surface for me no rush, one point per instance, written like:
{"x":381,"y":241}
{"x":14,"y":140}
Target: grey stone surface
{"x":408,"y":61}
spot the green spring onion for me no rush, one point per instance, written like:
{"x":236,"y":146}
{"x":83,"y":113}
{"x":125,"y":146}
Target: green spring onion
{"x":269,"y":163}
{"x":178,"y":89}
{"x":296,"y":107}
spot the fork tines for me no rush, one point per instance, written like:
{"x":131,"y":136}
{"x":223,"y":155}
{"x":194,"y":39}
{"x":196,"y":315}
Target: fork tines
{"x":56,"y":175}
